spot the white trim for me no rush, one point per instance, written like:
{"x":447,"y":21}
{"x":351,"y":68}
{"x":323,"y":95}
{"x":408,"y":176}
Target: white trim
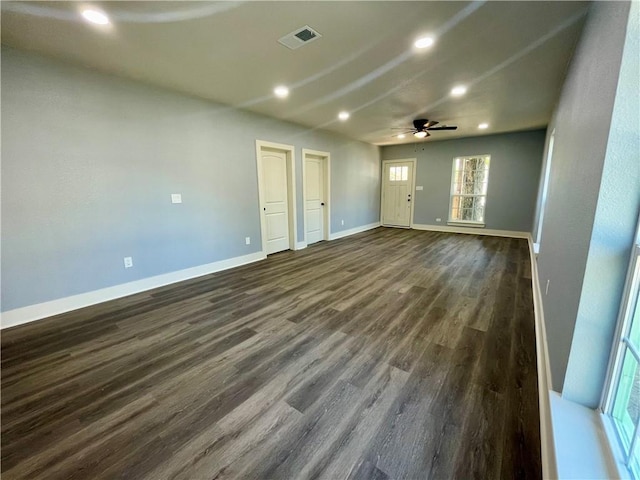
{"x":289,"y":150}
{"x":547,"y":445}
{"x":326,"y":171}
{"x":413,"y":188}
{"x":471,"y":230}
{"x":301,"y":245}
{"x":545,"y":185}
{"x":462,"y":223}
{"x":616,"y":455}
{"x":353,"y":231}
{"x":536,"y":248}
{"x":31,"y":313}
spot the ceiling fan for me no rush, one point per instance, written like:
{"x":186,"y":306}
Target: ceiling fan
{"x":422,"y":127}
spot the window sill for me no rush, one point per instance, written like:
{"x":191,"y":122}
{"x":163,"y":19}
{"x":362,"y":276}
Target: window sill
{"x":584,"y":447}
{"x":466,"y":224}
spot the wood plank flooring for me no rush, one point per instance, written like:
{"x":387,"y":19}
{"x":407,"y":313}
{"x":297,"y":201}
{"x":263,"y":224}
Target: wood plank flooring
{"x":392,"y":354}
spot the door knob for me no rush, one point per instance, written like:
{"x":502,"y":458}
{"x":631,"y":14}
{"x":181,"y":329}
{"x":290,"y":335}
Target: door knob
{"x":322,"y":204}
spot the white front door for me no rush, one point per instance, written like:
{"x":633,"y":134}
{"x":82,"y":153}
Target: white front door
{"x":397,"y":193}
{"x":276,"y":207}
{"x":314,"y":204}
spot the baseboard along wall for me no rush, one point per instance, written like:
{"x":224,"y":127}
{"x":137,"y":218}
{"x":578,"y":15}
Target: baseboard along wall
{"x":353,"y":231}
{"x":471,"y":230}
{"x":547,"y":443}
{"x":39,"y":311}
{"x":31,"y":313}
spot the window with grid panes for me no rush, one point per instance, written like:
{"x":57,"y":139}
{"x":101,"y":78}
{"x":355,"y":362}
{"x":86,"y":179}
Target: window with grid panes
{"x":624,"y":399}
{"x":398,"y":174}
{"x":469,"y":180}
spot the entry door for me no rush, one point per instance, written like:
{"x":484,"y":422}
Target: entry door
{"x":314,"y":206}
{"x":276,"y":208}
{"x":397,"y":194}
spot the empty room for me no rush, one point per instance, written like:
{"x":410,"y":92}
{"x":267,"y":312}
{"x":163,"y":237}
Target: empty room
{"x":333,"y":239}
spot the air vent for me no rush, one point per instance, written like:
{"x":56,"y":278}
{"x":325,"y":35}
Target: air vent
{"x":299,"y":37}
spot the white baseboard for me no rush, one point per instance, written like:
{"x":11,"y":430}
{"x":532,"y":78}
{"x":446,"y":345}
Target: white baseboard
{"x":547,"y":443}
{"x":301,"y":245}
{"x":31,"y":313}
{"x":471,"y":230}
{"x":353,"y":231}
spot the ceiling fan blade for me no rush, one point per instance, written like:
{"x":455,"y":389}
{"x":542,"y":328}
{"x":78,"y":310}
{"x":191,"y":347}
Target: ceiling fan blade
{"x":444,"y":127}
{"x":431,"y":124}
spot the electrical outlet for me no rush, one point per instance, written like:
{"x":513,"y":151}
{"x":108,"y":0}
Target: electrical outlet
{"x":176,"y":198}
{"x":546,"y":290}
{"x":342,"y":223}
{"x":247,"y":240}
{"x":438,"y":219}
{"x":128,"y":262}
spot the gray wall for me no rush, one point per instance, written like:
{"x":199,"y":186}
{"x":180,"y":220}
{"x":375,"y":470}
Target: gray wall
{"x":612,"y":233}
{"x":582,"y":121}
{"x":89,"y":162}
{"x":513,"y":176}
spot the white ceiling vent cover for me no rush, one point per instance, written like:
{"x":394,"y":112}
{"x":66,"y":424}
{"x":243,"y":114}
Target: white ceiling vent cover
{"x":299,"y":37}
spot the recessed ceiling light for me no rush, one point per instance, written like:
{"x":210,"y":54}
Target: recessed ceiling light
{"x":402,"y":135}
{"x":95,"y":16}
{"x":420,"y":134}
{"x":423,"y":42}
{"x":483,"y":126}
{"x":343,"y":116}
{"x":458,"y":91}
{"x":281,"y":91}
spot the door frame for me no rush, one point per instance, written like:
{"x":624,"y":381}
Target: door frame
{"x":413,"y":188}
{"x":289,"y":151}
{"x":326,"y":181}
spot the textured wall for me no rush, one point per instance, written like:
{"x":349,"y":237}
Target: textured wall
{"x":513,"y":176}
{"x":89,"y":162}
{"x":582,"y":121}
{"x":613,"y":231}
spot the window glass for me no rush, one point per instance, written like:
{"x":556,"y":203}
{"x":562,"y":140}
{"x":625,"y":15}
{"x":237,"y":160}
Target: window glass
{"x":397,"y":174}
{"x":624,"y":401}
{"x":469,"y":183}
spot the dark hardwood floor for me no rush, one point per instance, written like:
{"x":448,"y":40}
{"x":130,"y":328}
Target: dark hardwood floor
{"x":388,"y":354}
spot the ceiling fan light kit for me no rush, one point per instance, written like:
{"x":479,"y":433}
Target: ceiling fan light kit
{"x":422,"y":127}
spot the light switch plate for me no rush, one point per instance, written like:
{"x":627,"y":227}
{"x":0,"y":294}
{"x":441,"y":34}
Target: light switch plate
{"x":128,"y":262}
{"x":176,"y":198}
{"x":247,"y":240}
{"x":419,"y":187}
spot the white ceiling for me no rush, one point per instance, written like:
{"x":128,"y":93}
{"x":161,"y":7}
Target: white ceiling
{"x":511,"y":55}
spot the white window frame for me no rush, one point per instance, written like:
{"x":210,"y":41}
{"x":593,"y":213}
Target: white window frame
{"x":467,"y":223}
{"x":622,"y":345}
{"x":545,"y":187}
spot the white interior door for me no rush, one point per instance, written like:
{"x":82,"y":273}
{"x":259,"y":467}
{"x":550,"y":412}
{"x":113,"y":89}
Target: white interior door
{"x":314,"y":204}
{"x":397,"y":194}
{"x":276,"y":207}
